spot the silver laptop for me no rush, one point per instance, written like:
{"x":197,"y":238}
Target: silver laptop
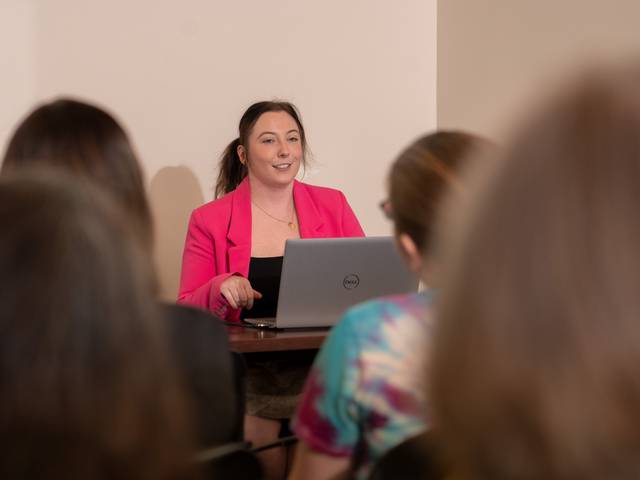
{"x":322,"y":277}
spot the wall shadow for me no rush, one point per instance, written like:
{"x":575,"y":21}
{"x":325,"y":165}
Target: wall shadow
{"x":174,"y":193}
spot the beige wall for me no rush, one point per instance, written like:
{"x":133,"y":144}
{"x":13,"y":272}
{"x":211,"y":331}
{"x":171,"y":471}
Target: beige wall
{"x":17,"y":62}
{"x":180,"y":74}
{"x":495,"y":56}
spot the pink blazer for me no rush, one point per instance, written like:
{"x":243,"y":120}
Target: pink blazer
{"x":218,"y":240}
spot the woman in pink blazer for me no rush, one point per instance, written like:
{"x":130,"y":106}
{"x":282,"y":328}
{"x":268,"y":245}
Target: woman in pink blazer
{"x":233,"y":253}
{"x":219,"y":242}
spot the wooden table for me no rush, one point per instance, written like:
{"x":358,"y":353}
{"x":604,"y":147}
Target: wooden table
{"x":246,"y":339}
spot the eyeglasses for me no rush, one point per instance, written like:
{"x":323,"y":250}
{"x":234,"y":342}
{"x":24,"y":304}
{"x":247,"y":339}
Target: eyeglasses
{"x":385,"y":206}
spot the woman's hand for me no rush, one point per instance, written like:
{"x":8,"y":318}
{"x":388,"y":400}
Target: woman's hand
{"x":238,"y":292}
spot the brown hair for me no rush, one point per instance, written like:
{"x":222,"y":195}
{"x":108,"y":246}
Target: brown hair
{"x":88,"y":389}
{"x":232,"y":171}
{"x":84,"y":140}
{"x":420,"y":177}
{"x":536,"y":369}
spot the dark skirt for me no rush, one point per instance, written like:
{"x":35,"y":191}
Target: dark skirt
{"x":275,"y":381}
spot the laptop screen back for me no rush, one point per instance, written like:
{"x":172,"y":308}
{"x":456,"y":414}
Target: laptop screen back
{"x":323,"y":277}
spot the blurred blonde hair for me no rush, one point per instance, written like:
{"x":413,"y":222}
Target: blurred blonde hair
{"x":536,"y":368}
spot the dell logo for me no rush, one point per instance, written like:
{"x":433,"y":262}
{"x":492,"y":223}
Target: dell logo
{"x":351,"y":281}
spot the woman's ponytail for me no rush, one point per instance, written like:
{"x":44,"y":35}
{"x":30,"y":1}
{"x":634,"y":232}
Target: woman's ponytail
{"x":232,"y":170}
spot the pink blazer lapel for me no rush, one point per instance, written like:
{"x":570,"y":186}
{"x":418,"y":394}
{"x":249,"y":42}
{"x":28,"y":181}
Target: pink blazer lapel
{"x":309,"y":219}
{"x":239,"y":233}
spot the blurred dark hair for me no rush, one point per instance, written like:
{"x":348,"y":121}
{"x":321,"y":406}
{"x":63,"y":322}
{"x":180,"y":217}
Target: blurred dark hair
{"x":87,"y":141}
{"x":232,"y":171}
{"x":88,"y":389}
{"x":421,"y":176}
{"x":536,"y":368}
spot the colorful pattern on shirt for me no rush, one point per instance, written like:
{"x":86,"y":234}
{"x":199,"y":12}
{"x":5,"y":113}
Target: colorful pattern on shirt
{"x":364,"y":394}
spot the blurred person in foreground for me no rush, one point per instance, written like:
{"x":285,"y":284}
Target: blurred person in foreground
{"x":87,"y":142}
{"x":536,"y":366}
{"x":364,"y":392}
{"x":88,"y":388}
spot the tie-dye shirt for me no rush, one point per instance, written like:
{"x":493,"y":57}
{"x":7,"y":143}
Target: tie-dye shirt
{"x":364,"y":394}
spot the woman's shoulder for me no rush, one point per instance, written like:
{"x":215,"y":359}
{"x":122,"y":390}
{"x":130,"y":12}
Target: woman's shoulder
{"x":365,"y":319}
{"x":391,"y":306}
{"x":212,"y":218}
{"x":321,"y":193}
{"x":215,"y":208}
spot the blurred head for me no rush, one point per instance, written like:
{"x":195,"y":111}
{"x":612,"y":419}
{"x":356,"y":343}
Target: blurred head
{"x":271,"y":145}
{"x":88,"y":390}
{"x":536,"y":369}
{"x":419,"y":179}
{"x":86,"y":141}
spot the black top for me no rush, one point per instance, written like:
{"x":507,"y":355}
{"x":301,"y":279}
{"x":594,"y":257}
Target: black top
{"x":264,"y":276}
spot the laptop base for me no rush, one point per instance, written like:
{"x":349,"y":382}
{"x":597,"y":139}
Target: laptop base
{"x":269,"y":322}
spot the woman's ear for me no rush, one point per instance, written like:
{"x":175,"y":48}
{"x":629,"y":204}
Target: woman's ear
{"x":242,"y":154}
{"x":410,"y":252}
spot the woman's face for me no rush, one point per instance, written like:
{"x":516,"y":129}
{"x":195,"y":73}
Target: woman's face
{"x":274,"y":149}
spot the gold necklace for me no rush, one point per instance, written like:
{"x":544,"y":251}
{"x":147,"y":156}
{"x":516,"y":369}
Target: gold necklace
{"x":290,"y":224}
